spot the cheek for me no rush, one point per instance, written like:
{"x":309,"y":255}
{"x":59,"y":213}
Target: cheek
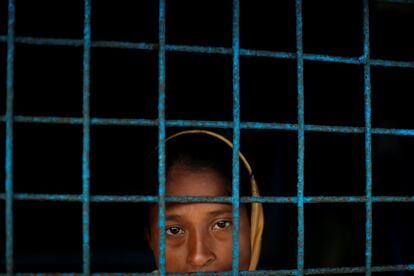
{"x":223,"y":249}
{"x":175,"y":257}
{"x":224,"y":254}
{"x":177,"y":252}
{"x":244,"y":240}
{"x":173,"y":252}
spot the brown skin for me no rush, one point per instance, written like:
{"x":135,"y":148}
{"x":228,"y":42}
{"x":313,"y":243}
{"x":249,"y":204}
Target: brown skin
{"x":198,"y":235}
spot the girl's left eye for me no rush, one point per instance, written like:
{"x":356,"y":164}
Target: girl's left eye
{"x":222,"y":224}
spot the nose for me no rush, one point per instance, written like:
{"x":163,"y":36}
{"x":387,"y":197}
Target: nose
{"x":200,"y":254}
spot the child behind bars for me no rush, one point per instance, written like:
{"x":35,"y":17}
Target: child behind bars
{"x":199,"y":235}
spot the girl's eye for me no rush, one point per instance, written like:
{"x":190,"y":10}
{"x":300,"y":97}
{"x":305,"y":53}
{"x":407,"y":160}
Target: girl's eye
{"x":174,"y":230}
{"x":222,"y":224}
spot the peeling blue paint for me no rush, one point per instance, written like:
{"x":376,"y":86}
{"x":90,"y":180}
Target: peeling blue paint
{"x":161,"y":123}
{"x":368,"y":144}
{"x":207,"y":124}
{"x":86,"y":139}
{"x":161,"y":137}
{"x":236,"y":137}
{"x":205,"y":50}
{"x":220,"y":199}
{"x":309,"y":271}
{"x":301,"y":141}
{"x":9,"y":137}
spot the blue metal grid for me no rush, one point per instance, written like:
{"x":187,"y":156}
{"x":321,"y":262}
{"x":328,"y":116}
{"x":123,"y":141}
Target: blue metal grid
{"x":301,"y":140}
{"x":161,"y":138}
{"x":368,"y":146}
{"x":300,"y":200}
{"x":86,"y":138}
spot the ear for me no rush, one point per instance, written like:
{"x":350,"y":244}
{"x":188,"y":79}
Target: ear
{"x":148,"y":236}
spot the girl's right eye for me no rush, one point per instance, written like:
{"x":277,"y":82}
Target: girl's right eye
{"x":174,"y":231}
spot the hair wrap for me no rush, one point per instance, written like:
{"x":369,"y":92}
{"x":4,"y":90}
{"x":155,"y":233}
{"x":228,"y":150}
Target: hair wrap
{"x":257,"y":217}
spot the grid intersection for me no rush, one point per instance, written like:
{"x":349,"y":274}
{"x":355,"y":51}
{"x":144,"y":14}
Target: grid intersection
{"x":162,"y":123}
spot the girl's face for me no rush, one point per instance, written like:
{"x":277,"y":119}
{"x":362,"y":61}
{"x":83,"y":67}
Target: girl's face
{"x":199,"y":235}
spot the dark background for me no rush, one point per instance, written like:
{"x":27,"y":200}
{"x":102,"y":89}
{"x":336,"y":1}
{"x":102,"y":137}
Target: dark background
{"x":47,"y":157}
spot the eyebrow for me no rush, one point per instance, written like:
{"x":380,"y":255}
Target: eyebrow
{"x":220,"y":212}
{"x":211,"y":214}
{"x":172,"y":217}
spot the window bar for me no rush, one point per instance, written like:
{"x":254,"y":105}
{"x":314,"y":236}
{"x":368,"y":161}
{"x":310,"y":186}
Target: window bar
{"x":86,"y":138}
{"x":368,"y":148}
{"x":308,"y":271}
{"x":335,"y":270}
{"x":236,"y":137}
{"x":207,"y":124}
{"x":301,"y":140}
{"x":201,"y":199}
{"x":235,"y":199}
{"x":204,"y":50}
{"x":9,"y":137}
{"x":161,"y":137}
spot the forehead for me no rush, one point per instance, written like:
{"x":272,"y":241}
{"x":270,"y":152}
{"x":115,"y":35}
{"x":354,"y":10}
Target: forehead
{"x":182,"y":181}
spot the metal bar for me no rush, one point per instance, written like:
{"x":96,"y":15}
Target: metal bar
{"x":335,"y":59}
{"x":199,"y":49}
{"x":268,"y":54}
{"x":48,"y":120}
{"x":85,"y":198}
{"x":236,"y":138}
{"x":182,"y":199}
{"x":207,"y":124}
{"x":336,"y":129}
{"x":301,"y":140}
{"x":334,"y":199}
{"x":393,"y":131}
{"x":368,"y":146}
{"x":86,"y":139}
{"x":397,"y":1}
{"x":348,"y":270}
{"x":205,"y":50}
{"x":308,"y":271}
{"x":390,"y":63}
{"x":9,"y":137}
{"x":161,"y":137}
{"x":79,"y":43}
{"x":385,"y":199}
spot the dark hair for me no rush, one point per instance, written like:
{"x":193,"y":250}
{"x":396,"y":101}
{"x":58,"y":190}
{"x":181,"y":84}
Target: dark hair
{"x":197,"y":152}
